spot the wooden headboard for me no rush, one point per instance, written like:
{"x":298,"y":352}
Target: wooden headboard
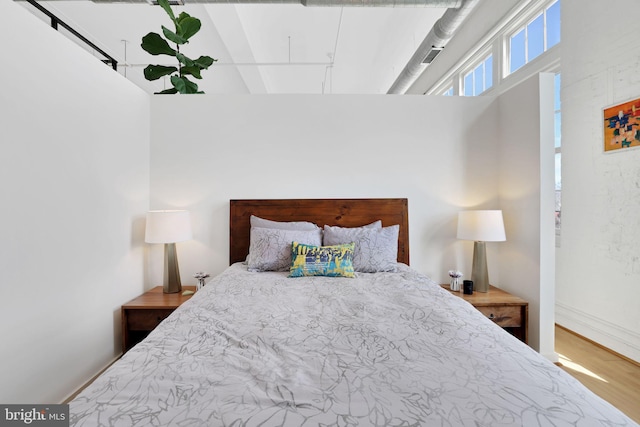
{"x":341,"y":212}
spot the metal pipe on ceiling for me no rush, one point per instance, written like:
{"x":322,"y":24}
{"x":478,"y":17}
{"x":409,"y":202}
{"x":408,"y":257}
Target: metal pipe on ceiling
{"x":317,"y":3}
{"x":443,"y":30}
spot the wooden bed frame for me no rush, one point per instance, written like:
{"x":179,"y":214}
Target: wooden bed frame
{"x":340,"y":212}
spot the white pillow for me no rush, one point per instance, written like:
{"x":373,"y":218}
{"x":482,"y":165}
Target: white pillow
{"x":376,"y":249}
{"x":270,"y":248}
{"x":294,"y":225}
{"x":374,"y":224}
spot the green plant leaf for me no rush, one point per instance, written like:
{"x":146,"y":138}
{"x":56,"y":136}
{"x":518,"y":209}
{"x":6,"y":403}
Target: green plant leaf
{"x":194,"y":71}
{"x":188,"y":27}
{"x":204,"y":61}
{"x":154,"y":72}
{"x":182,"y":16}
{"x":167,"y":8}
{"x":185,"y":60}
{"x":184,"y":85}
{"x":185,"y":27}
{"x":156,"y":45}
{"x":170,"y":91}
{"x":170,"y":35}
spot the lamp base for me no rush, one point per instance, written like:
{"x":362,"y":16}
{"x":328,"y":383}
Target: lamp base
{"x":171,"y":282}
{"x":479,"y":271}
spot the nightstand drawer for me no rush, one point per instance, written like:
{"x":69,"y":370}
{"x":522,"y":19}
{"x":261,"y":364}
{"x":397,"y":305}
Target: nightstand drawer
{"x":146,"y":320}
{"x":506,"y":310}
{"x":142,"y":314}
{"x":505,"y":316}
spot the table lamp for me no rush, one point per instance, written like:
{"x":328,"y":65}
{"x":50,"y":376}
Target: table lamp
{"x":169,"y":227}
{"x":481,"y":226}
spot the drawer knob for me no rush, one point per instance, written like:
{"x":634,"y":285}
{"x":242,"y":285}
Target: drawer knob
{"x":491,"y":316}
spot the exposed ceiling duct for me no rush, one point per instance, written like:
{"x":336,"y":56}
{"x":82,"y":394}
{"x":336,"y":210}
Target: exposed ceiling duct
{"x":317,"y":3}
{"x":442,"y":31}
{"x":171,"y":2}
{"x":435,"y":51}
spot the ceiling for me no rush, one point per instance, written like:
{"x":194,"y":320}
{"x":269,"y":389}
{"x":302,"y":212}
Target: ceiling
{"x":263,"y":48}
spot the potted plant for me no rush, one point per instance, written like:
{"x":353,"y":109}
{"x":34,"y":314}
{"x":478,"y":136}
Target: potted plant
{"x":186,"y":26}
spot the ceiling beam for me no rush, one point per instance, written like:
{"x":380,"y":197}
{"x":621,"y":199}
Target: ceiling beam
{"x":229,"y":26}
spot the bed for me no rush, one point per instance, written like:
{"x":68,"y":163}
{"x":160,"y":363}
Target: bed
{"x":385,"y":348}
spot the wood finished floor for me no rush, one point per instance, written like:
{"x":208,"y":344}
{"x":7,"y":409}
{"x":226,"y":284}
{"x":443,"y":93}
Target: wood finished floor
{"x":613,"y":378}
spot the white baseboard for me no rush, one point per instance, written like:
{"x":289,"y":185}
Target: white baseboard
{"x":88,"y":383}
{"x":619,"y":339}
{"x":553,"y":357}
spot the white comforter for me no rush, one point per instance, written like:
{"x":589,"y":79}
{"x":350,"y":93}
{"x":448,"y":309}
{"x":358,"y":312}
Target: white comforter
{"x":384,"y":349}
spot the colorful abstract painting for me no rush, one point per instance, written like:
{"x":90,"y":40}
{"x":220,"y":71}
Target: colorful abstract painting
{"x":622,"y":126}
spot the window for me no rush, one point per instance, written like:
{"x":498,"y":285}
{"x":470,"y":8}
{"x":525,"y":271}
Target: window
{"x":553,"y":24}
{"x":558,"y":145}
{"x":480,"y":78}
{"x":535,"y":38}
{"x":522,"y":35}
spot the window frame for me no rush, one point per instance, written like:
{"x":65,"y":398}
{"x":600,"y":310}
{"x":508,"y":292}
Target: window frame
{"x":558,"y":152}
{"x":471,"y":71}
{"x":524,"y":26}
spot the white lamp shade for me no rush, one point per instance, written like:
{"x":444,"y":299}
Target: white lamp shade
{"x":167,"y":226}
{"x":481,"y":226}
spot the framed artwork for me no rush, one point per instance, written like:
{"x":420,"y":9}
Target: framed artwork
{"x":622,"y":126}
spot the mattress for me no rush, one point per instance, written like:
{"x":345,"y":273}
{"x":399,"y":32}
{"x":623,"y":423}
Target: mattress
{"x":383,"y":349}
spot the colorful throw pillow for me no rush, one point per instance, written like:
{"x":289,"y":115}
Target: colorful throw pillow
{"x":333,"y":261}
{"x":375,"y":249}
{"x":270,"y":248}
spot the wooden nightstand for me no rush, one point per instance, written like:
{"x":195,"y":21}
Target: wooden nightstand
{"x":508,"y":311}
{"x":142,"y":314}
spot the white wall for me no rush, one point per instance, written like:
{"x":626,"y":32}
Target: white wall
{"x":599,"y":263}
{"x":526,"y":151}
{"x":438,"y":152}
{"x":74,"y":187}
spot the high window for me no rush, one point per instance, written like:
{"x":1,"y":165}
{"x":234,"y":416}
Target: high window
{"x":536,"y":37}
{"x":479,"y":79}
{"x":528,"y":32}
{"x":558,"y":145}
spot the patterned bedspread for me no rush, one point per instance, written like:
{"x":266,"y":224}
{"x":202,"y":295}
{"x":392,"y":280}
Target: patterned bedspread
{"x":384,"y":349}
